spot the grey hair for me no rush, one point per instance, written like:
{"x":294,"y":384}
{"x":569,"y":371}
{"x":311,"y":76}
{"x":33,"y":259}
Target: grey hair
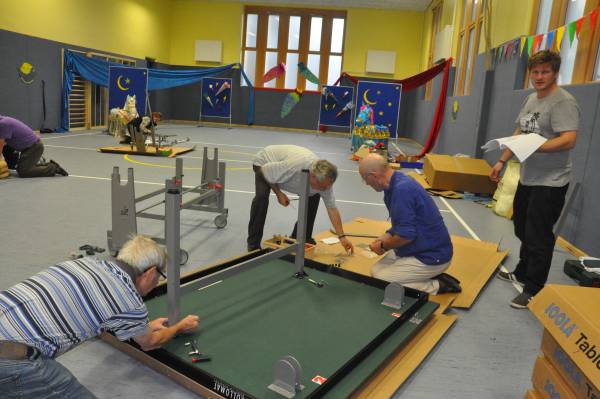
{"x":142,"y":253}
{"x":323,"y":169}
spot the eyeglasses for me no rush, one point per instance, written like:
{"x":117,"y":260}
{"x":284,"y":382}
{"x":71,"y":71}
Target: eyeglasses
{"x":161,"y":273}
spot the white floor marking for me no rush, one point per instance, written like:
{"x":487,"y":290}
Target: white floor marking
{"x":69,"y":135}
{"x":226,"y":190}
{"x":460,"y":220}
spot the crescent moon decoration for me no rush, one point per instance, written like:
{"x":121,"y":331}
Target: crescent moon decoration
{"x":120,"y":85}
{"x":366,"y":99}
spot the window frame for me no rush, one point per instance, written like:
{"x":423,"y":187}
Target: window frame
{"x":436,"y":25}
{"x":303,"y":51}
{"x":462,"y":83}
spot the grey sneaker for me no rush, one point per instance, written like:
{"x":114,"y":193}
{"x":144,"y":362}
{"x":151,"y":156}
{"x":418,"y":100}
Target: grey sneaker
{"x":521,"y":301}
{"x":510,"y":277}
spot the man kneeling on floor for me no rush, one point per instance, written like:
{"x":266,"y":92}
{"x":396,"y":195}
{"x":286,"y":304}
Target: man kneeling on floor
{"x":16,"y":137}
{"x":71,"y":302}
{"x":421,"y":245}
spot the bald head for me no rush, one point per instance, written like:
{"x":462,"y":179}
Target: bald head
{"x":372,"y":163}
{"x":375,"y":171}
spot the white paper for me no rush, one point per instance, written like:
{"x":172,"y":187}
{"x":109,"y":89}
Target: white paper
{"x":522,"y":145}
{"x":330,"y":240}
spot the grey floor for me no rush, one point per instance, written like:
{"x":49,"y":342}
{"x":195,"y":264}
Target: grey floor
{"x":489,"y":353}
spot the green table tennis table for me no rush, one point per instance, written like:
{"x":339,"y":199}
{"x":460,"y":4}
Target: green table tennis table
{"x":339,"y":332}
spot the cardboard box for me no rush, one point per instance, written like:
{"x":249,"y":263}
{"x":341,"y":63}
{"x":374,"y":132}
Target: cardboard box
{"x":532,"y":394}
{"x":548,"y":383}
{"x":561,"y":361}
{"x":571,"y":315}
{"x":444,"y":172}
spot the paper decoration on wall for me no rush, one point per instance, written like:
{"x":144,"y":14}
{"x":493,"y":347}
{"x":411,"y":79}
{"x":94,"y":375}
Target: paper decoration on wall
{"x":347,"y":107}
{"x":223,"y":87}
{"x":308,"y":75}
{"x":336,"y":104}
{"x":290,"y":102}
{"x":274,"y":72}
{"x":216,"y":95}
{"x":26,"y":73}
{"x":455,"y":110}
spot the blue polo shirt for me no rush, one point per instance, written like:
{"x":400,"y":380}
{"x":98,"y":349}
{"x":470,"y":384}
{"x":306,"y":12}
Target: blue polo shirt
{"x":415,"y":217}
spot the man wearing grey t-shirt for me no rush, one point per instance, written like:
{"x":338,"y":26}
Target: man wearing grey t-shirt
{"x":279,"y":167}
{"x":554,"y":114}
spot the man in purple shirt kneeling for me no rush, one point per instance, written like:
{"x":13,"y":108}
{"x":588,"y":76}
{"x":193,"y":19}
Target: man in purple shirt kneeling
{"x":16,"y":137}
{"x":418,"y":242}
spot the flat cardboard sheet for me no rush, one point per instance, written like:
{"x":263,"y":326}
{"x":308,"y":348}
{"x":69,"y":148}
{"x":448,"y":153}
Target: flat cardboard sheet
{"x":150,"y":151}
{"x":473,"y":263}
{"x":571,"y":314}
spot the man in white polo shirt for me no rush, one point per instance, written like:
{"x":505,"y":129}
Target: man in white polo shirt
{"x":279,"y":167}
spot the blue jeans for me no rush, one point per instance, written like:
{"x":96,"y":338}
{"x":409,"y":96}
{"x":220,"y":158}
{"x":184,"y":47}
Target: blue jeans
{"x":40,"y":379}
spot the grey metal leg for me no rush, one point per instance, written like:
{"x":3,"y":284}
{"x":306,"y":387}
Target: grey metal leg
{"x":172,"y":222}
{"x":123,"y":211}
{"x":302,"y":212}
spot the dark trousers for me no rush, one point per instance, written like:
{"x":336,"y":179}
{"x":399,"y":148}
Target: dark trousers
{"x":260,"y":205}
{"x":28,"y":163}
{"x":536,"y":210}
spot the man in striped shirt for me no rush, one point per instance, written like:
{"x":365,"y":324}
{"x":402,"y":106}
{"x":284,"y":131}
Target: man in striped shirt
{"x":279,"y":167}
{"x":71,"y":302}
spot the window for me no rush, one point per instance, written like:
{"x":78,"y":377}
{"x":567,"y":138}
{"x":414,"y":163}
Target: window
{"x":436,"y":17}
{"x":579,"y":59}
{"x":468,"y":45}
{"x":290,"y":35}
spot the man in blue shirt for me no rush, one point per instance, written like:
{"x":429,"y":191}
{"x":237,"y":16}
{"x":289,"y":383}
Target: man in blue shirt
{"x":421,"y":245}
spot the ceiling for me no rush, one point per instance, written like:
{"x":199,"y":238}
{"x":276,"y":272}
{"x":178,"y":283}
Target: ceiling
{"x":414,"y":5}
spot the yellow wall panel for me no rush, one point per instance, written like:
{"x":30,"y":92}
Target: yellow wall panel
{"x":136,"y":28}
{"x":400,"y":31}
{"x":193,"y":20}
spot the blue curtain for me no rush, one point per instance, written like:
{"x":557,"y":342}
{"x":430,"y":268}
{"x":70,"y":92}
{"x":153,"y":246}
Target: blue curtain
{"x":96,"y":71}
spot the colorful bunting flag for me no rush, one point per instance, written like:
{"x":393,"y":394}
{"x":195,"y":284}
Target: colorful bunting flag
{"x":523,"y":41}
{"x":594,"y":18}
{"x":535,"y":44}
{"x":560,"y":33}
{"x":571,"y":28}
{"x":578,"y":25}
{"x":500,"y":51}
{"x":529,"y":44}
{"x":550,"y":40}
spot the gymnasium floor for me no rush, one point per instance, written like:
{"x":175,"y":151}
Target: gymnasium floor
{"x":489,"y":353}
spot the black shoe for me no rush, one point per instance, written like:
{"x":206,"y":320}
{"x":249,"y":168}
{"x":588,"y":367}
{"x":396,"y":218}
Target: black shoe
{"x":125,"y":140}
{"x":254,"y":248}
{"x":510,"y":277}
{"x":450,"y":278}
{"x":448,"y":284}
{"x":521,"y":301}
{"x":59,"y":170}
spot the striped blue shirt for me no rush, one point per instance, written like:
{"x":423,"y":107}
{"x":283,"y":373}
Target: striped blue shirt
{"x":70,"y":303}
